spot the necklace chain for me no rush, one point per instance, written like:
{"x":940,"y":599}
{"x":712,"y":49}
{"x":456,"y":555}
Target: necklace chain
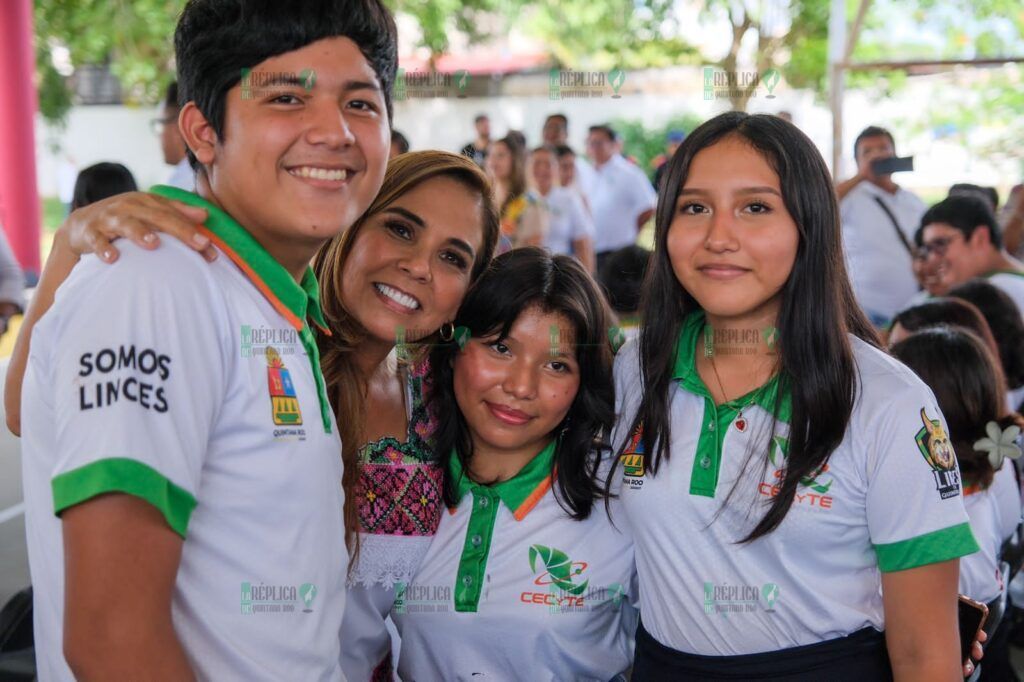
{"x":709,"y":352}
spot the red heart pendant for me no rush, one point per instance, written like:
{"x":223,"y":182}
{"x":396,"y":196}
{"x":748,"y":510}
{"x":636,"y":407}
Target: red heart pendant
{"x":741,"y":424}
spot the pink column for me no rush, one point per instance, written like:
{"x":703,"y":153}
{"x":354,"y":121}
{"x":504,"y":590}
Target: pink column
{"x":19,"y":196}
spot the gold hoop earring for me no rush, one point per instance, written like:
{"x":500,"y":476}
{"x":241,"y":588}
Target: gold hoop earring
{"x":447,"y":331}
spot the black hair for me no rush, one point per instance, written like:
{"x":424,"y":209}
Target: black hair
{"x":622,"y":276}
{"x":872,"y":131}
{"x":401,"y":140}
{"x":950,"y":312}
{"x":481,"y":117}
{"x":968,"y":386}
{"x":815,"y":362}
{"x":516,"y":281}
{"x":1003,"y":319}
{"x":564,"y":150}
{"x":561,"y":117}
{"x":989,"y":194}
{"x":171,"y":96}
{"x":965,"y":213}
{"x":216,"y":39}
{"x":605,"y":130}
{"x":100,"y":181}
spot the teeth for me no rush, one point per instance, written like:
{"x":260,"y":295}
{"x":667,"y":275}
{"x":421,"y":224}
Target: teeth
{"x":398,"y":297}
{"x":319,"y":173}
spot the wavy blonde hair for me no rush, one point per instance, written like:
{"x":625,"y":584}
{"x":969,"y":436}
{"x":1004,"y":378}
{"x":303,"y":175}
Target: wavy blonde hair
{"x":346,"y":387}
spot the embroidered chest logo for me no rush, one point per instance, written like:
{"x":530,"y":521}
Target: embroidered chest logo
{"x":632,"y":460}
{"x":283,"y":400}
{"x":814,"y":488}
{"x":557,"y":572}
{"x":934,"y":445}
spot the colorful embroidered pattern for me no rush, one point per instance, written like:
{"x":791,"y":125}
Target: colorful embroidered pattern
{"x":399,"y":490}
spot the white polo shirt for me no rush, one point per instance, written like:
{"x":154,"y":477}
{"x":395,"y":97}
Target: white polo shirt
{"x":879,"y":264}
{"x":512,"y":588}
{"x":195,"y":387}
{"x":569,"y":220}
{"x":618,"y":193}
{"x":884,"y":502}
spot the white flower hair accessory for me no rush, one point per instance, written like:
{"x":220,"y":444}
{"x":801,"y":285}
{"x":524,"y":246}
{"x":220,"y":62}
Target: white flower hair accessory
{"x":1000,"y":443}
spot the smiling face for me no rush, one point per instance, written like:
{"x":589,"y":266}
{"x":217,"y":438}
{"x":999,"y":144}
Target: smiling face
{"x":299,"y":161}
{"x":410,"y":264}
{"x":732,"y":242}
{"x":514,"y":392}
{"x":953,"y":256}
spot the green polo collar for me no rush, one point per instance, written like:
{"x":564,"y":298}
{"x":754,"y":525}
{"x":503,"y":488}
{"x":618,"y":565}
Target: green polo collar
{"x":520,"y":492}
{"x":685,"y":370}
{"x":295,"y":302}
{"x":302,"y":299}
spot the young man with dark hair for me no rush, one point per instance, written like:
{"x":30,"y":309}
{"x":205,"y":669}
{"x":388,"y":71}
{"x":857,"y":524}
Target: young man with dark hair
{"x":620,"y":196}
{"x":182,"y":468}
{"x":879,"y":218}
{"x":961,"y":238}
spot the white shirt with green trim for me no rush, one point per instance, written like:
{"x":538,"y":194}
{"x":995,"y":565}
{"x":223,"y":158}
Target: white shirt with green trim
{"x":888,"y":500}
{"x":512,"y":588}
{"x":177,"y":381}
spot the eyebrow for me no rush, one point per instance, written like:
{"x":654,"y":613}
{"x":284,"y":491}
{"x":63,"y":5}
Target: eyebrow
{"x":745,"y":190}
{"x":351,"y":86}
{"x":460,"y":244}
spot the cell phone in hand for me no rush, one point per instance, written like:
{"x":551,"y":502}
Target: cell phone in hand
{"x":894,"y":164}
{"x":972,"y":617}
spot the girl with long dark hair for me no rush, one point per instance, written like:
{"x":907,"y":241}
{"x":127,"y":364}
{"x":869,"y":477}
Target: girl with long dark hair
{"x":793,"y":498}
{"x":527,"y":577}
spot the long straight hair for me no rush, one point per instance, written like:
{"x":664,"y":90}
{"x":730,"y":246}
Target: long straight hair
{"x":817,"y":310}
{"x":518,"y":280}
{"x":346,"y":387}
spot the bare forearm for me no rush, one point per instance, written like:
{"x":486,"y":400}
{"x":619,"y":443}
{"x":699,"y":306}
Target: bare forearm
{"x":584,"y":250}
{"x":924,"y":669}
{"x":58,"y":266}
{"x":127,"y":652}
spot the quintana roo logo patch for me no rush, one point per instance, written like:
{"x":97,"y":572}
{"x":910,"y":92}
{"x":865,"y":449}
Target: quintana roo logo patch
{"x":936,"y":449}
{"x":559,"y":569}
{"x":632,"y":460}
{"x":283,"y":400}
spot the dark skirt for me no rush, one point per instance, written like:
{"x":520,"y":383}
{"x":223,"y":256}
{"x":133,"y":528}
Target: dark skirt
{"x":860,"y":657}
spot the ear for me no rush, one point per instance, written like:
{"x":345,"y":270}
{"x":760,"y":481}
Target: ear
{"x":982,"y":236}
{"x":197,"y":132}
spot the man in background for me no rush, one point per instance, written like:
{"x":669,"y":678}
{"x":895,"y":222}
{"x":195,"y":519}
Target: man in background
{"x":171,"y":142}
{"x":879,"y":219}
{"x":621,"y":197}
{"x":477,"y":149}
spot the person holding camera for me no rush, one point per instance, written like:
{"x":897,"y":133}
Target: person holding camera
{"x":879,"y":218}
